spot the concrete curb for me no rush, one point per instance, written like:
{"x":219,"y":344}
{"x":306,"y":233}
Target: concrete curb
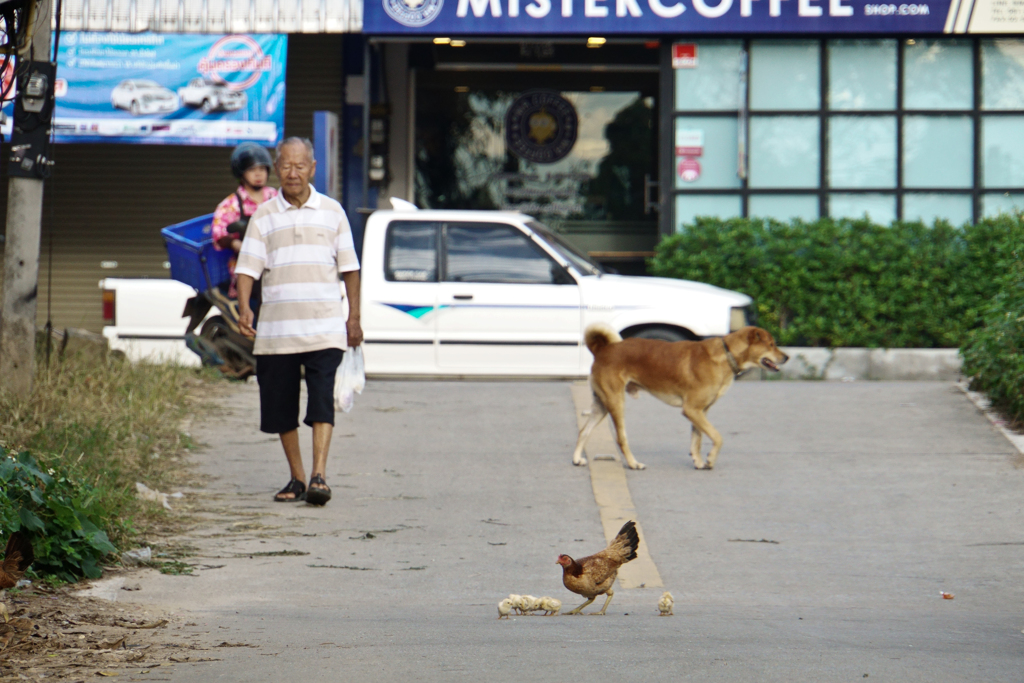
{"x":850,"y":363}
{"x":985,"y":406}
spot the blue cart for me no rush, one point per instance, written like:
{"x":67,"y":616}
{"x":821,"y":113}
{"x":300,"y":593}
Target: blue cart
{"x":196,"y":262}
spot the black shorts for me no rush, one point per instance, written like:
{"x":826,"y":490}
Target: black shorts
{"x":280,"y":377}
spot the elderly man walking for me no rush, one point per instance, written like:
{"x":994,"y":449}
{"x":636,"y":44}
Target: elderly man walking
{"x":298,"y":243}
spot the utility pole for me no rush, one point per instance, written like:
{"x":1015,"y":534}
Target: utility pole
{"x":21,"y":249}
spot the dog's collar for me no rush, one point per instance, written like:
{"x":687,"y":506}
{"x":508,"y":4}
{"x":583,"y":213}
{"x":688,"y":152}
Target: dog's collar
{"x":732,"y":359}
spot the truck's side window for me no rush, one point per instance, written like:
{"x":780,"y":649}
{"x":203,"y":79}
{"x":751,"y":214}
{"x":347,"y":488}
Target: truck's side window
{"x":411,"y":251}
{"x":481,"y":252}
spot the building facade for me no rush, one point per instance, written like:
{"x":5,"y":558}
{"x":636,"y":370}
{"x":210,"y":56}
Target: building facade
{"x":614,"y":121}
{"x":780,"y":109}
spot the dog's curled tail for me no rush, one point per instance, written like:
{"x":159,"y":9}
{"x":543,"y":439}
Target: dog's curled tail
{"x":600,"y":335}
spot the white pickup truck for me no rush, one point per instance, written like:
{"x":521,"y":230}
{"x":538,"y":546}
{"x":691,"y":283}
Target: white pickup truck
{"x":465,"y":293}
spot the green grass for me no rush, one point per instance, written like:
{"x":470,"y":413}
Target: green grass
{"x":98,"y":427}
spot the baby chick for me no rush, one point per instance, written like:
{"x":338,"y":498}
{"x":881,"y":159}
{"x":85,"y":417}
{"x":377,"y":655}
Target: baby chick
{"x":551,"y":606}
{"x":504,"y":608}
{"x":517,"y":602}
{"x":665,"y":604}
{"x":530,"y":604}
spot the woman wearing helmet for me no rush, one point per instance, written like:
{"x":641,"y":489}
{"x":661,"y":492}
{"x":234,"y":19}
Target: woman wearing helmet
{"x":251,"y":164}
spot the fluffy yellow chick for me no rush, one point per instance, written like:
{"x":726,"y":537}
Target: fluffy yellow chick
{"x":504,"y":608}
{"x":529,"y":604}
{"x":551,"y":606}
{"x":665,"y":604}
{"x":517,"y":602}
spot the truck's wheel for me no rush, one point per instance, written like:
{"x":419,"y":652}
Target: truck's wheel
{"x":134,"y":108}
{"x":208,"y":106}
{"x":662,"y":333}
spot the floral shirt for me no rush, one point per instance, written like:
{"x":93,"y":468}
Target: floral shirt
{"x":227,"y":213}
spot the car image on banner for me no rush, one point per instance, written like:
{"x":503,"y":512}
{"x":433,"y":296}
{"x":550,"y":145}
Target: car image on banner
{"x":143,"y":97}
{"x":170,"y":89}
{"x":210,"y":96}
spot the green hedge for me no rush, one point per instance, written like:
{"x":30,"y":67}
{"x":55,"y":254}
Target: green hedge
{"x":852,"y":282}
{"x":994,"y":353}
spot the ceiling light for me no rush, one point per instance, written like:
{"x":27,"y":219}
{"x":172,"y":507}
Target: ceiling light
{"x":458,"y":43}
{"x":442,"y":41}
{"x":462,"y":88}
{"x":596,"y":42}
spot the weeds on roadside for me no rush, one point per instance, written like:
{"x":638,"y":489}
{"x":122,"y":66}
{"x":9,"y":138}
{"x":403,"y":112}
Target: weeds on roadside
{"x":62,"y":514}
{"x":102,"y":426}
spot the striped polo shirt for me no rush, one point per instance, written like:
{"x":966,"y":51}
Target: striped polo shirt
{"x":299,"y":252}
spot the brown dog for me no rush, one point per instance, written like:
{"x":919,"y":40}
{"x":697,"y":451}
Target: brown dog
{"x":687,"y":374}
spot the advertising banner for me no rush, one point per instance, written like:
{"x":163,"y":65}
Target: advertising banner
{"x":170,"y":89}
{"x":609,"y":17}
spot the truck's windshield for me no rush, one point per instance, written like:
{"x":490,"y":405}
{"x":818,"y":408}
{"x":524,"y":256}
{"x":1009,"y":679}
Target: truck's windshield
{"x":576,"y":257}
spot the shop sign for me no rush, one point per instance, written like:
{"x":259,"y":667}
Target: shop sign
{"x":684,"y":55}
{"x":689,"y":170}
{"x":541,"y":126}
{"x":689,"y":143}
{"x":550,"y":193}
{"x":607,"y":17}
{"x":171,"y":89}
{"x":689,"y":146}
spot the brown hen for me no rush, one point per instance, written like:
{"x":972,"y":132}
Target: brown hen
{"x":594,"y":575}
{"x":17,"y":558}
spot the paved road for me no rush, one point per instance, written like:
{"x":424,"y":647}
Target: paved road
{"x":815,"y":551}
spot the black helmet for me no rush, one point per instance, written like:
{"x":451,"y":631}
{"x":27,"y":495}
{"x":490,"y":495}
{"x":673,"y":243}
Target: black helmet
{"x":247,"y":155}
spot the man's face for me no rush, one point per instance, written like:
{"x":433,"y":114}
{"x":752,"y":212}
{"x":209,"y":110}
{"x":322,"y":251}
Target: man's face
{"x":295,"y":167}
{"x":256,"y":176}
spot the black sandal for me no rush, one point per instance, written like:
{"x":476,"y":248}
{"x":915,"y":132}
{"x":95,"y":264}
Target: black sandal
{"x":294,"y":487}
{"x":318,"y":496}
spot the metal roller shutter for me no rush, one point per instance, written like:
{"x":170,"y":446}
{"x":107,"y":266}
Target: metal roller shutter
{"x":107,"y":203}
{"x":315,"y":81}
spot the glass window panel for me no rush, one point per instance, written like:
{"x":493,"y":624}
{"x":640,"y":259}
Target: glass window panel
{"x":718,"y":149}
{"x":411,"y":252}
{"x":715,"y":82}
{"x":1004,"y":202}
{"x":862,"y":74}
{"x":879,"y":208}
{"x":495,"y":253}
{"x":1002,"y":74}
{"x":689,"y":206}
{"x":785,"y":74}
{"x":862,"y":151}
{"x":938,"y":74}
{"x":784,"y":151}
{"x":784,"y":207}
{"x":928,"y":208}
{"x":938,"y":151}
{"x":1002,"y":138}
{"x":462,"y":159}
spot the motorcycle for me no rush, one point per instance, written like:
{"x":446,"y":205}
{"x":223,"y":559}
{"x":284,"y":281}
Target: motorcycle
{"x":219,"y":343}
{"x":196,"y":262}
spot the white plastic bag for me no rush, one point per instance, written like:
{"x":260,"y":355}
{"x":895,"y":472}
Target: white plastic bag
{"x":349,"y":380}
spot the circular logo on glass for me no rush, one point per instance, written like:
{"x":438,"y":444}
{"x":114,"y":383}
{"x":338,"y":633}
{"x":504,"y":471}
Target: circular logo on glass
{"x":541,"y":126}
{"x":413,"y":13}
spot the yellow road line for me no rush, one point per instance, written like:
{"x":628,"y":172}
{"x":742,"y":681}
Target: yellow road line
{"x":611,"y":491}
